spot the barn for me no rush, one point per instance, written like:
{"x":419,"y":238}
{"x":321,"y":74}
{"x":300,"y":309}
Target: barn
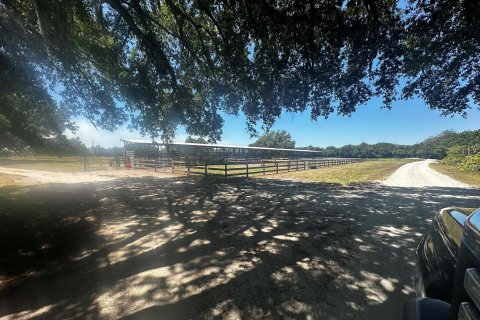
{"x":211,"y":153}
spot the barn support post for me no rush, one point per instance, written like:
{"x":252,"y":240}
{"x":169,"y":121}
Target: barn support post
{"x":226,"y":172}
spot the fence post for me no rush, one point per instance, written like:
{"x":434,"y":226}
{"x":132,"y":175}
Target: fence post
{"x":155,"y":164}
{"x":304,"y":165}
{"x":276,"y":164}
{"x":297,"y":164}
{"x":247,"y":169}
{"x":85,"y":163}
{"x":206,"y":169}
{"x":173,"y":167}
{"x":226,"y":172}
{"x":188,"y":168}
{"x":263,"y":167}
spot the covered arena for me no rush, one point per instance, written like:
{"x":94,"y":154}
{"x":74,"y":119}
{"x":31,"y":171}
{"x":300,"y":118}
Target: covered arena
{"x":211,"y":153}
{"x":217,"y":159}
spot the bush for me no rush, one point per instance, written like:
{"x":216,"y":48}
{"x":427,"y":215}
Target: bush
{"x":455,"y":156}
{"x":452,"y":160}
{"x":470,"y":163}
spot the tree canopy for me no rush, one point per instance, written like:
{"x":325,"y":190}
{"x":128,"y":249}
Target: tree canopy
{"x":191,"y":139}
{"x":275,"y":139}
{"x":159,"y":64}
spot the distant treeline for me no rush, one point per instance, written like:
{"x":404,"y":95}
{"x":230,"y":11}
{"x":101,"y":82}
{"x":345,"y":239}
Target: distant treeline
{"x":434,"y":147}
{"x":62,"y":147}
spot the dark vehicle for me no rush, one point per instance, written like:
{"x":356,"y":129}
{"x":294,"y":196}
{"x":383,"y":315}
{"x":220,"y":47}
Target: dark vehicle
{"x":437,"y":254}
{"x":447,"y":275}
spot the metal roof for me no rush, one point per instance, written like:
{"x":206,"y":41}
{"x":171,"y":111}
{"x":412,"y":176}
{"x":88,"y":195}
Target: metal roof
{"x":211,"y":145}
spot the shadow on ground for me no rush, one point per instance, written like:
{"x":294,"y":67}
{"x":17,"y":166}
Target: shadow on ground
{"x":181,"y":248}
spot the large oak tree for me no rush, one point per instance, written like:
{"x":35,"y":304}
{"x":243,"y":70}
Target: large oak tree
{"x":165,"y":63}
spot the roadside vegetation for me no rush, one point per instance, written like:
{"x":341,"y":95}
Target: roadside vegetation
{"x":462,"y":162}
{"x":469,"y":177}
{"x":350,"y":173}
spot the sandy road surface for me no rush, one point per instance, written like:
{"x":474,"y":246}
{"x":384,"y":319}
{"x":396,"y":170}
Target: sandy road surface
{"x":41,"y":176}
{"x":419,"y":174}
{"x":178,"y":248}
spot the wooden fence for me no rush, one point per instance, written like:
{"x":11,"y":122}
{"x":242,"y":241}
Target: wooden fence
{"x":164,"y":165}
{"x":240,"y":167}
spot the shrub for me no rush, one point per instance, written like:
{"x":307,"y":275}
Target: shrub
{"x":470,"y":163}
{"x":455,"y":156}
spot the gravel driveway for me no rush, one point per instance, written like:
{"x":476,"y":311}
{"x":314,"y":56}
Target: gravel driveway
{"x":158,"y":247}
{"x":419,"y":174}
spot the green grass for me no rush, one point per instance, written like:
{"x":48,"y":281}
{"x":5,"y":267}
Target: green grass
{"x":56,"y":164}
{"x":468,"y":177}
{"x":349,"y":173}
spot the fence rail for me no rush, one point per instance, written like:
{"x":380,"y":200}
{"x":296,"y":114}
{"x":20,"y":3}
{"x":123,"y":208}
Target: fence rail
{"x":241,"y":167}
{"x":264,"y":167}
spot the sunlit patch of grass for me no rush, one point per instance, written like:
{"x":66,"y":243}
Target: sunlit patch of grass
{"x":469,"y":177}
{"x":349,"y":173}
{"x":8,"y":180}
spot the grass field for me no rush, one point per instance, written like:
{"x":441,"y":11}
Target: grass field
{"x":343,"y":174}
{"x":468,"y":177}
{"x":56,"y":164}
{"x":268,"y":167}
{"x":349,"y":173}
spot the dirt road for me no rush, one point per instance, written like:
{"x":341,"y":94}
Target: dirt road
{"x":419,"y":174}
{"x":28,"y":177}
{"x":178,"y":248}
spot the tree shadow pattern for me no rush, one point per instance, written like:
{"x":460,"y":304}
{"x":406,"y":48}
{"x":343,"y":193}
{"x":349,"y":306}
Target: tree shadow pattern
{"x":181,"y":248}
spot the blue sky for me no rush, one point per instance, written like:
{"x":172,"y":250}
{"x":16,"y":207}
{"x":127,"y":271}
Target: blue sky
{"x":408,"y":122}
